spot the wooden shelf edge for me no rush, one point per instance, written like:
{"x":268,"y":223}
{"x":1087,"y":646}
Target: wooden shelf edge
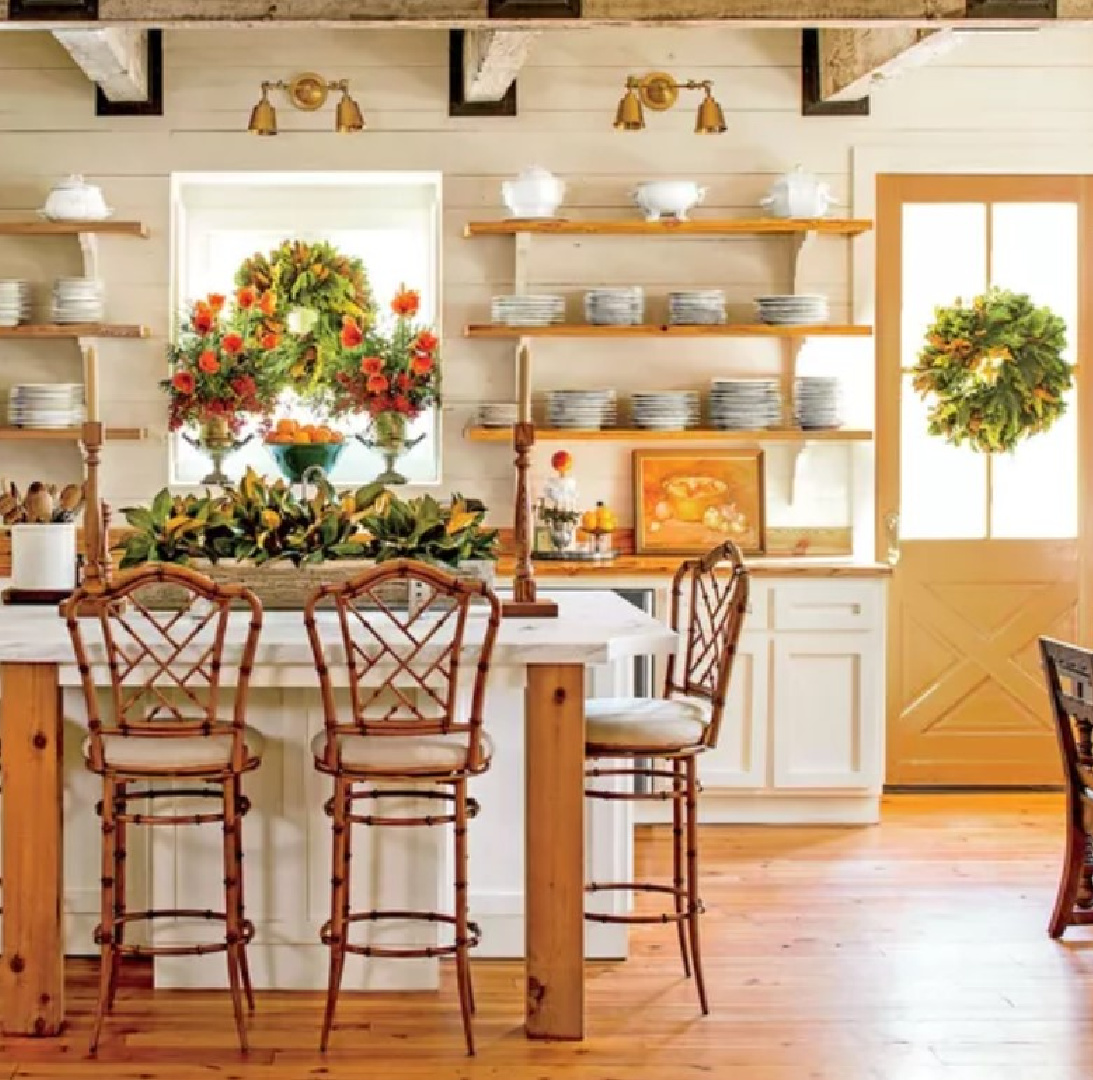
{"x":712,"y":227}
{"x":504,"y":435}
{"x":73,"y":228}
{"x":113,"y":434}
{"x":652,"y":330}
{"x":43,"y":331}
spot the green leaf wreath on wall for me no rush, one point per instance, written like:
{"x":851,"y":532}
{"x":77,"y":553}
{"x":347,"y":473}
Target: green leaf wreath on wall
{"x":994,"y":369}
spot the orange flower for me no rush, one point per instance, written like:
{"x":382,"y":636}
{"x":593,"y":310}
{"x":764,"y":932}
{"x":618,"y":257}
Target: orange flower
{"x":232,"y":344}
{"x":245,"y":297}
{"x":203,"y":318}
{"x":352,"y":335}
{"x":270,"y":342}
{"x":208,"y":362}
{"x":268,"y":304}
{"x":372,"y":365}
{"x":216,"y":302}
{"x":376,"y":384}
{"x":421,"y":365}
{"x":183,"y":382}
{"x":406,"y":303}
{"x":402,"y":405}
{"x":426,"y":342}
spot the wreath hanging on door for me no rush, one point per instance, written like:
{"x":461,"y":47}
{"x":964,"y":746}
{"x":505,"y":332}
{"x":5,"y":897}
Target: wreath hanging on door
{"x":995,"y":370}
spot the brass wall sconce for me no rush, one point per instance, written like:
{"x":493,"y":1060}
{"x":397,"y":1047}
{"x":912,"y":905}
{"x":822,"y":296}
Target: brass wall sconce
{"x":659,"y":91}
{"x":307,"y":92}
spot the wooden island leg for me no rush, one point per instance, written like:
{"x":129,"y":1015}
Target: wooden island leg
{"x":32,"y":964}
{"x":554,"y":875}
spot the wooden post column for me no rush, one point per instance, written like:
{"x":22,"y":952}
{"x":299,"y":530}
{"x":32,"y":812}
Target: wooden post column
{"x":554,"y":890}
{"x":32,"y":964}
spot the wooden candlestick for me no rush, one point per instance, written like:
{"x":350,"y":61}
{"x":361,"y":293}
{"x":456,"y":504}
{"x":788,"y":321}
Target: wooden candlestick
{"x":95,"y":571}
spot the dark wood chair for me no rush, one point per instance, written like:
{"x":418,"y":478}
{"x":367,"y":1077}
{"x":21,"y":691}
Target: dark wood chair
{"x":1069,"y":673}
{"x":168,"y":682}
{"x":402,"y":729}
{"x":659,"y":740}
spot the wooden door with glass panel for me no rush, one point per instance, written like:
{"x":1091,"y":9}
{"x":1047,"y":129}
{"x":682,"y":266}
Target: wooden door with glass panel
{"x":985,"y":546}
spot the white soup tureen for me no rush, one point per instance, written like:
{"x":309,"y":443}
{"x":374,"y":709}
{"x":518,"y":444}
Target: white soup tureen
{"x":667,"y":198}
{"x":798,"y":194}
{"x":535,"y":193}
{"x":73,"y":199}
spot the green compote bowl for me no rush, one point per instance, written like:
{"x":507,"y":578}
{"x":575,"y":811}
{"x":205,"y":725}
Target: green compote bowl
{"x":297,"y":459}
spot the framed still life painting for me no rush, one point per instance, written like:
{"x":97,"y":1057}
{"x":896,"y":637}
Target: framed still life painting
{"x":688,"y":501}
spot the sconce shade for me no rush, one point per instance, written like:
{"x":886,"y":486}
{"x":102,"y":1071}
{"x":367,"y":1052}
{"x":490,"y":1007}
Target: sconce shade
{"x":630,"y":115}
{"x":348,"y":115}
{"x":263,"y":117}
{"x":711,"y":118}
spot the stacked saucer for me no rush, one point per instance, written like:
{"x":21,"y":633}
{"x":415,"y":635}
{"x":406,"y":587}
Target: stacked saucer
{"x":792,"y":310}
{"x":46,"y":405}
{"x":77,"y":300}
{"x":615,"y":307}
{"x":696,"y":307}
{"x":14,"y":302}
{"x":498,"y":414}
{"x":575,"y":409}
{"x":818,"y":402}
{"x":666,"y":410}
{"x":745,"y":404}
{"x":529,"y":310}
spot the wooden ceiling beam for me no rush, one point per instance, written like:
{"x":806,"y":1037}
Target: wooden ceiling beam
{"x":114,"y":58}
{"x":852,"y":62}
{"x":491,"y":61}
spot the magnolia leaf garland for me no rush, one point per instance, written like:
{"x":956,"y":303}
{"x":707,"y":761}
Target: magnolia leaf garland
{"x":994,"y":370}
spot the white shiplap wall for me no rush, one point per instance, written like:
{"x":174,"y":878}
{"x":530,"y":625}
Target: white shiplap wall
{"x":996,"y":89}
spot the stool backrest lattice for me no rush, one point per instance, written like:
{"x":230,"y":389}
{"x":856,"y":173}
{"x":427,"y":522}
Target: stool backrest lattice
{"x":1068,"y":670}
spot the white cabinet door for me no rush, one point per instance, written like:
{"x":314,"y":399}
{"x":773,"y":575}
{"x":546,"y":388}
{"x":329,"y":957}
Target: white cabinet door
{"x":825,"y":705}
{"x":740,"y":757}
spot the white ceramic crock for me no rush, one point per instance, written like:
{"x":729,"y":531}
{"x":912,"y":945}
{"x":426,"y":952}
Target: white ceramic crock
{"x":43,"y":557}
{"x":798,"y":194}
{"x":667,"y":198}
{"x":73,"y":199}
{"x":535,"y":193}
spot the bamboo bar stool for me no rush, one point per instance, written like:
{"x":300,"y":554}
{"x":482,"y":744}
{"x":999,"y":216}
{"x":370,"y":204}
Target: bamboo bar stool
{"x":166,"y":675}
{"x":1069,"y":673}
{"x":402,"y":671}
{"x":660,"y":739}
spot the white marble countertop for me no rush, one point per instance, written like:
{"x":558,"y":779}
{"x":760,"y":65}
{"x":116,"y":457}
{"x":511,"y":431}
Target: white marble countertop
{"x":592,"y":627}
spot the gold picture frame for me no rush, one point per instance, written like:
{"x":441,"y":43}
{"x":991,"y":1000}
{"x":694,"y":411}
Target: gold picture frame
{"x":688,"y":501}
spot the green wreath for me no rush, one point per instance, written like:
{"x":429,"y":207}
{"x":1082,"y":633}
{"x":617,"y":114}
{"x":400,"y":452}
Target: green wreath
{"x":995,"y":370}
{"x":313,"y":286}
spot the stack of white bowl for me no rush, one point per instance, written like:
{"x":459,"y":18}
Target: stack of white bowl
{"x":624,"y":306}
{"x":532,"y":309}
{"x":818,"y":402}
{"x":666,"y":410}
{"x":577,"y":409}
{"x":498,"y":414}
{"x":745,"y":404}
{"x":696,"y":307}
{"x":46,"y":405}
{"x":792,"y":310}
{"x":77,"y":300}
{"x":14,"y":302}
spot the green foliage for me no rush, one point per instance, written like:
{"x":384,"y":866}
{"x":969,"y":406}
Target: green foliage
{"x":426,"y":530}
{"x":995,"y":370}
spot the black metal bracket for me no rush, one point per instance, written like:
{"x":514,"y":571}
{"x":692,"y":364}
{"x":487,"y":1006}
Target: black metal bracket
{"x":152,"y":105}
{"x":811,"y":102}
{"x":535,"y":9}
{"x":457,"y":103}
{"x":31,"y":10}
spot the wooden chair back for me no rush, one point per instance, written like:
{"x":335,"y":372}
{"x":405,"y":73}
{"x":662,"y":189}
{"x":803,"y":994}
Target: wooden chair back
{"x":166,"y":667}
{"x":403,"y":664}
{"x":717,"y":597}
{"x":1068,"y":670}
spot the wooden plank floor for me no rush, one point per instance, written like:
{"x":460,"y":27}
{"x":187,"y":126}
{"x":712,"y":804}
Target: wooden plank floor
{"x":915,"y":950}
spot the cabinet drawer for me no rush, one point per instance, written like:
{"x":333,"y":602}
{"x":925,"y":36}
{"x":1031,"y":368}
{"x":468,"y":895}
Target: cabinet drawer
{"x":826,"y":605}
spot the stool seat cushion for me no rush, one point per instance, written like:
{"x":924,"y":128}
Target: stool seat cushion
{"x":643,"y":722}
{"x":441,"y":754}
{"x":212,"y":752}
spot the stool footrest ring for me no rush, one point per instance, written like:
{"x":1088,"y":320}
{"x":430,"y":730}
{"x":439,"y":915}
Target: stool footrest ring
{"x":474,"y":935}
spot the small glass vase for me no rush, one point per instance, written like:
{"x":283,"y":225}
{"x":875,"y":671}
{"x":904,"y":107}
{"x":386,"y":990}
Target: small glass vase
{"x":216,"y":440}
{"x":388,"y":436}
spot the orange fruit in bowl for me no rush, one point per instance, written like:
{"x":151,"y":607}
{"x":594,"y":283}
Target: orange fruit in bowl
{"x":337,"y":437}
{"x":562,"y":461}
{"x":302,"y":436}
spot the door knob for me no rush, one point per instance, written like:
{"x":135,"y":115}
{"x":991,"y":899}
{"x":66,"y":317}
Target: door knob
{"x":891,"y":533}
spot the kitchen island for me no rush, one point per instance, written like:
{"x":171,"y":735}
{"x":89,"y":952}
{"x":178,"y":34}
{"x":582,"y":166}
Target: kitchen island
{"x":528,"y":847}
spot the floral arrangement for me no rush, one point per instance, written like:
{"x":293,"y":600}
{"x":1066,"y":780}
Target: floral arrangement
{"x":315,"y":287}
{"x":219,"y":366}
{"x":393,"y":372}
{"x":996,"y":370}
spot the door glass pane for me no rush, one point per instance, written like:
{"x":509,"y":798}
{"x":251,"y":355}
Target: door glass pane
{"x":943,"y":488}
{"x":1035,"y":489}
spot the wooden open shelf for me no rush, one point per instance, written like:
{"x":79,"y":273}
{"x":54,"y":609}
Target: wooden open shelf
{"x":725,"y":227}
{"x":74,"y":330}
{"x":484,"y":434}
{"x":72,"y":228}
{"x":113,"y":434}
{"x":648,"y":330}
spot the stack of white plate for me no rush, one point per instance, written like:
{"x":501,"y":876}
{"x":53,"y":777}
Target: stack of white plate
{"x":14,"y":302}
{"x":745,"y":404}
{"x":666,"y":410}
{"x":498,"y":414}
{"x":615,"y":307}
{"x":696,"y":307}
{"x":531,"y":310}
{"x":818,"y":402}
{"x":792,"y":310}
{"x":46,"y":405}
{"x":77,"y":300}
{"x":574,"y":409}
